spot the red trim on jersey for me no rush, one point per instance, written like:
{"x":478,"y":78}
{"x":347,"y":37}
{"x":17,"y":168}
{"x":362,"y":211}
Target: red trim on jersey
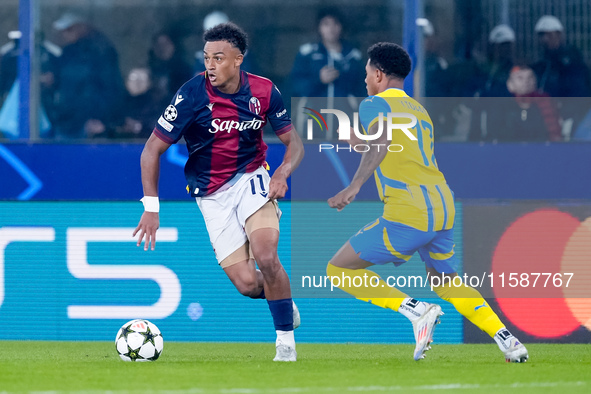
{"x":284,"y":130}
{"x":162,"y":136}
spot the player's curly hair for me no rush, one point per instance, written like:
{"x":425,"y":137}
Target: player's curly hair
{"x":229,"y":32}
{"x":390,"y":58}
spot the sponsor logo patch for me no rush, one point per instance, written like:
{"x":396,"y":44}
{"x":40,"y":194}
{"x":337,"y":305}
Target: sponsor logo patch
{"x":229,"y":125}
{"x":167,"y":126}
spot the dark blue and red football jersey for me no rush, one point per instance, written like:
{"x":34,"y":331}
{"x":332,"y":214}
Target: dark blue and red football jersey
{"x":223,"y":132}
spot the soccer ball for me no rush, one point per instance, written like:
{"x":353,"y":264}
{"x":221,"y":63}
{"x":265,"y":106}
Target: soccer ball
{"x":139,"y":340}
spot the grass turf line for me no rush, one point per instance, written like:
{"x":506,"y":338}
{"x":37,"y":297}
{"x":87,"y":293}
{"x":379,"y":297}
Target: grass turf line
{"x":219,"y":367}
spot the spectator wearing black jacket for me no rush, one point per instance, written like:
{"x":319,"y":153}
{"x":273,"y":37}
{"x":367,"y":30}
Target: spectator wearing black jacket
{"x":88,"y":83}
{"x":331,"y":67}
{"x":561,"y":72}
{"x":167,"y":65}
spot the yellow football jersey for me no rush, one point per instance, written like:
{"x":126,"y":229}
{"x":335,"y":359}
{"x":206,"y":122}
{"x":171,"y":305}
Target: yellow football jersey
{"x":409,"y":182}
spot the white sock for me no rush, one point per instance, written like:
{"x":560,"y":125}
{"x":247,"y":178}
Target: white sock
{"x":503,"y":339}
{"x":285,"y":338}
{"x":412,"y":309}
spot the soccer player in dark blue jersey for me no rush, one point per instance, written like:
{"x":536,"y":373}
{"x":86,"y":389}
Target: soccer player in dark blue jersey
{"x":221,"y":113}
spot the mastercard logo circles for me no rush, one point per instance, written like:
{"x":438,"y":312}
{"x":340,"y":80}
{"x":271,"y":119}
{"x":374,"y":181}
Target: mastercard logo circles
{"x":546,"y":241}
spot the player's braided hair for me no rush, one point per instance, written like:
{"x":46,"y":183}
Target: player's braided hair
{"x":390,"y":58}
{"x":229,"y":32}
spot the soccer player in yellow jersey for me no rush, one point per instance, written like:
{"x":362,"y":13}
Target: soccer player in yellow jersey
{"x":418,"y":209}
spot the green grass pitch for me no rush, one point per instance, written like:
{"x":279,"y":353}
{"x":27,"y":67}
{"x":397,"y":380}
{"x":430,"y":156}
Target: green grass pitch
{"x":245,"y":368}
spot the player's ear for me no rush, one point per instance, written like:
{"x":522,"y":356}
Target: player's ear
{"x":379,"y":75}
{"x":238,"y":60}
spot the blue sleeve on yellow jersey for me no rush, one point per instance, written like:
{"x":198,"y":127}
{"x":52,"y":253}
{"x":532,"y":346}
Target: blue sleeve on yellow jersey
{"x":370,"y":108}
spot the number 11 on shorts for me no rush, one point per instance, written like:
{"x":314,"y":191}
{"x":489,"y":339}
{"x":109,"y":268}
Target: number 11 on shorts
{"x":253,"y":186}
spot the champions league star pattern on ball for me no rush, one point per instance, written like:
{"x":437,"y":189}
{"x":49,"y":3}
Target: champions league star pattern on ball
{"x":223,"y":132}
{"x":139,"y":340}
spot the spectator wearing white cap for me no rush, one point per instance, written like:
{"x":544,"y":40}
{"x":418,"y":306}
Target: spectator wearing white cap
{"x":501,"y":34}
{"x":501,"y":40}
{"x":561,"y":72}
{"x":492,"y":80}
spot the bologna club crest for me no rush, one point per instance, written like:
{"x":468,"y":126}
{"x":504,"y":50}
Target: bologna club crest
{"x":254,"y":105}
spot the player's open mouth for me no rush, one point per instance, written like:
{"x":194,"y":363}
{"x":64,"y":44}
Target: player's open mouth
{"x":212,"y":78}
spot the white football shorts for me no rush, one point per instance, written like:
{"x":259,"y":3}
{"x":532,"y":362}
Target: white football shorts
{"x":225,"y":212}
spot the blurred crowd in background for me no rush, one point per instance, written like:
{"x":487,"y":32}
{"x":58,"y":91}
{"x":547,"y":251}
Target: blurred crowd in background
{"x":496,"y":94}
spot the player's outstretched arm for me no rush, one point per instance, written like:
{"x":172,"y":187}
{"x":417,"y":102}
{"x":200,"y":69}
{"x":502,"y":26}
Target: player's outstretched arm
{"x":150,"y":164}
{"x":292,"y":158}
{"x":368,"y":164}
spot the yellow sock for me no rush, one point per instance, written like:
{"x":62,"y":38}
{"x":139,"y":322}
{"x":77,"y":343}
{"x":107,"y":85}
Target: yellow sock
{"x":470,"y":303}
{"x":381,"y":295}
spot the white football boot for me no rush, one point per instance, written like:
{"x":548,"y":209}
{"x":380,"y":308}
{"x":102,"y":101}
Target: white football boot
{"x":285,"y":345}
{"x":285,"y":353}
{"x":424,"y":327}
{"x":513,"y":350}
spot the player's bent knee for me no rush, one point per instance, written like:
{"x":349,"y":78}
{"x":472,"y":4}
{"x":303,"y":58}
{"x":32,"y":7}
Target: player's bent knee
{"x":248,"y":287}
{"x":245,"y":278}
{"x":246,"y":283}
{"x":269,"y":263}
{"x":265,"y":257}
{"x":271,"y":268}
